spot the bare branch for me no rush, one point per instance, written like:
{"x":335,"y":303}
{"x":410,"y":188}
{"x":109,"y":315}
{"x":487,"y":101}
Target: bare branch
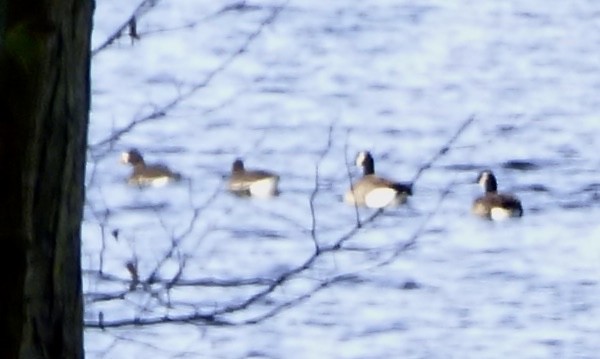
{"x":163,"y":110}
{"x":156,"y":290}
{"x":143,"y":8}
{"x":444,"y":149}
{"x":313,"y":195}
{"x":349,"y":173}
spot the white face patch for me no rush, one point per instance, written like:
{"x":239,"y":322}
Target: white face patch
{"x":381,"y":197}
{"x":264,"y":188}
{"x":125,"y":157}
{"x":360,"y":159}
{"x":484,"y":178}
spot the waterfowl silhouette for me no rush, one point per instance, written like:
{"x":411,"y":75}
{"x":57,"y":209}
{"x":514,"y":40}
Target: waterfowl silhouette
{"x":253,"y":183}
{"x":373,"y":191}
{"x":147,"y":175}
{"x":492,"y":204}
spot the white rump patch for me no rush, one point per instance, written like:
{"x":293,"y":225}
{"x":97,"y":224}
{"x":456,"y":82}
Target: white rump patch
{"x":264,"y":188}
{"x":500,"y":214}
{"x":160,"y":181}
{"x":381,"y":197}
{"x":154,"y":182}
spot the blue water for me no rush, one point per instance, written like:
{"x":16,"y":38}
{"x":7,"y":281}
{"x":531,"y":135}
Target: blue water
{"x":320,"y":82}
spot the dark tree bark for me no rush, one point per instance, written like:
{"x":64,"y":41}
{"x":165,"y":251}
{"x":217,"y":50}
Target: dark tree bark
{"x":44,"y":104}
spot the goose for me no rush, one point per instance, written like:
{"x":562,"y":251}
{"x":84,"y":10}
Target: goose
{"x":373,"y":191}
{"x":492,"y":204}
{"x":147,"y":175}
{"x":252,"y":183}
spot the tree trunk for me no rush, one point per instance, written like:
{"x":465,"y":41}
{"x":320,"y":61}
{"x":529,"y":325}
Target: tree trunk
{"x":44,"y":105}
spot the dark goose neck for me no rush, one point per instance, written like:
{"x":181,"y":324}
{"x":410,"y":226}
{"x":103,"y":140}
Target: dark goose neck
{"x":491,"y":186}
{"x":368,"y":166}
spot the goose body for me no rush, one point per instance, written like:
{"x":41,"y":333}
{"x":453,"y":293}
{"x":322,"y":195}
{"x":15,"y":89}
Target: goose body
{"x":253,"y":183}
{"x":373,"y":191}
{"x":495,"y":205}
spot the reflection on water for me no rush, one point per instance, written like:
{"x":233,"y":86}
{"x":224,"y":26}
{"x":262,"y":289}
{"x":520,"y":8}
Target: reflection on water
{"x":321,"y":82}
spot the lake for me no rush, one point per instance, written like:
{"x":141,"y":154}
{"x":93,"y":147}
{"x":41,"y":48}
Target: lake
{"x":299,"y":87}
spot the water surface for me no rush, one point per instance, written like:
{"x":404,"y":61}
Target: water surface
{"x":318,"y":83}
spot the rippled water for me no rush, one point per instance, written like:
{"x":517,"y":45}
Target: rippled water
{"x":320,"y":82}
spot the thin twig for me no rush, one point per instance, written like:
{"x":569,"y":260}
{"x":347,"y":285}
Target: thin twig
{"x":348,"y":172}
{"x":142,"y":9}
{"x":313,"y":195}
{"x":163,"y":110}
{"x":442,"y":151}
